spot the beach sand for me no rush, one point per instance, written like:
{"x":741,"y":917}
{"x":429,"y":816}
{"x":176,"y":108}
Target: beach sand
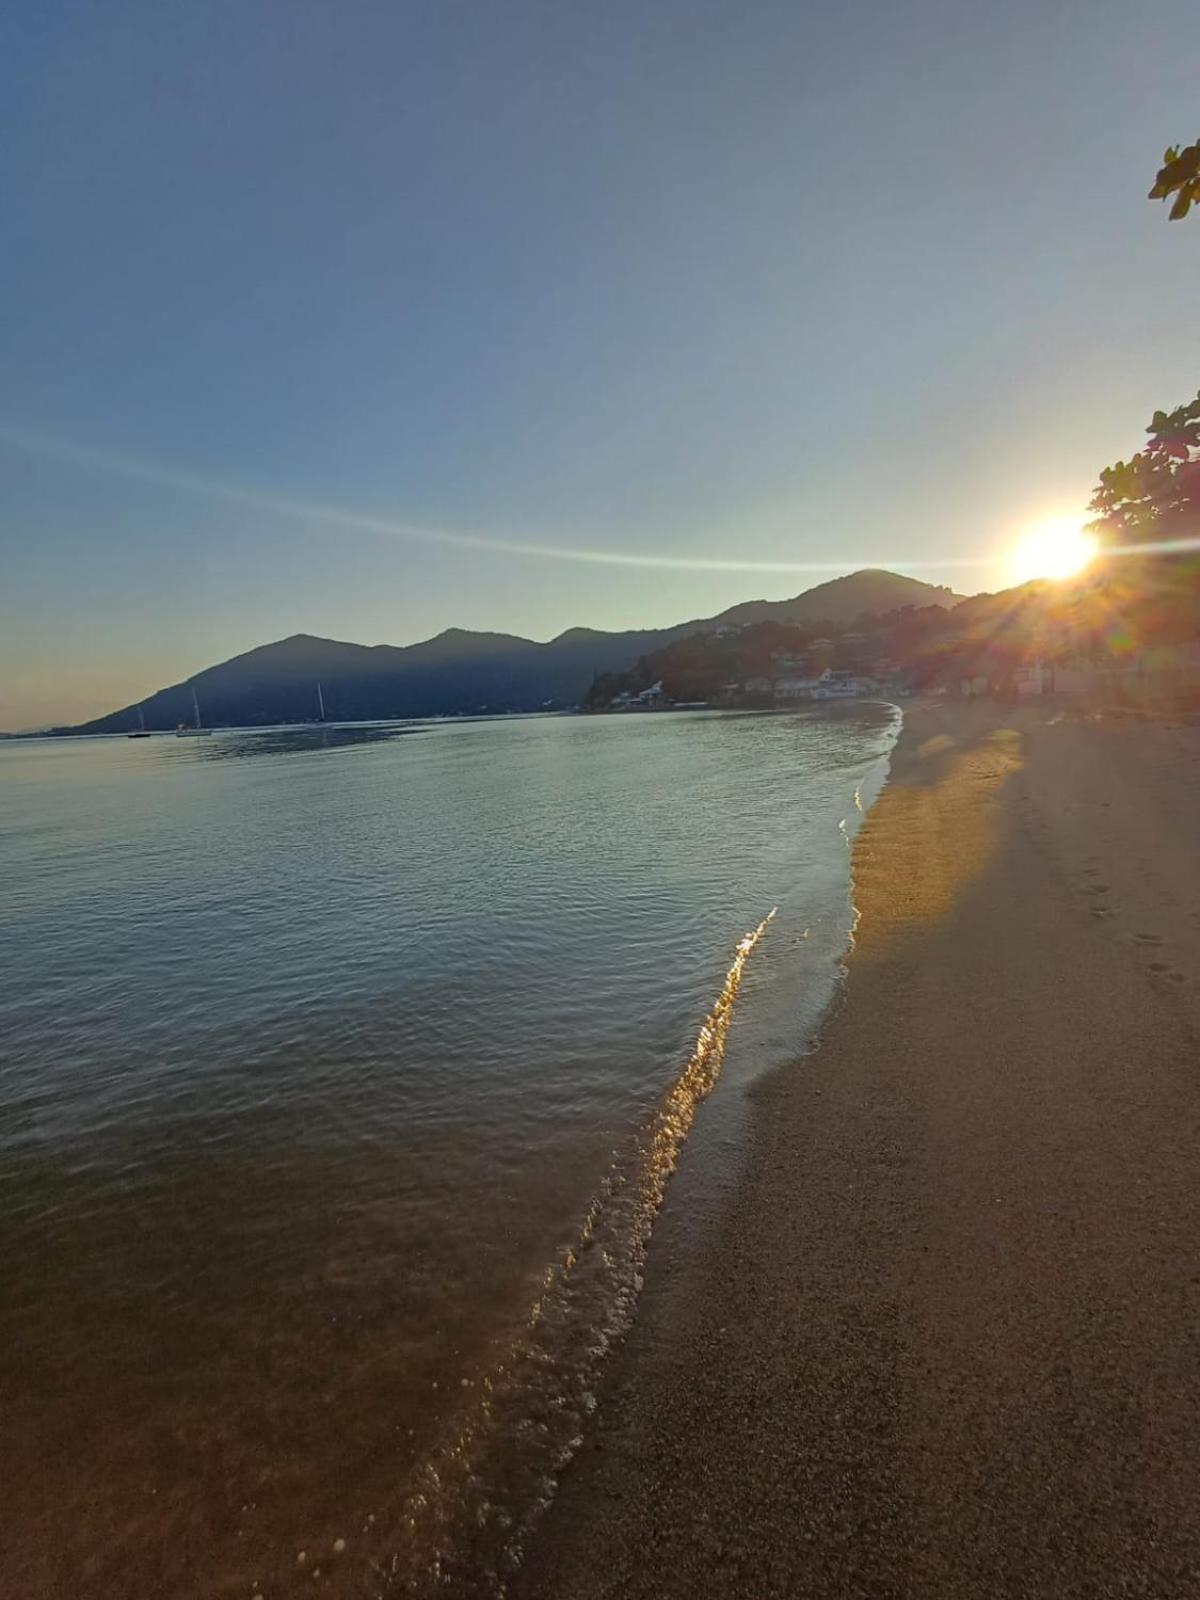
{"x":944,"y":1339}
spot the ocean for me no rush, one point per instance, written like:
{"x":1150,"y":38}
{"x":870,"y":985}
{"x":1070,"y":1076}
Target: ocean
{"x":342,"y":1071}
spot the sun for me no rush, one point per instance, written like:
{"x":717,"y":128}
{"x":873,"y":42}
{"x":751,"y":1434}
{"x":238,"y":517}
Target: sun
{"x":1059,"y":547}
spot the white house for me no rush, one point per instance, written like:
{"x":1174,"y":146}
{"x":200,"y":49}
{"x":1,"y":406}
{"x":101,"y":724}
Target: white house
{"x":795,"y":688}
{"x":1044,"y":677}
{"x":843,"y":685}
{"x":647,"y":700}
{"x":829,"y":685}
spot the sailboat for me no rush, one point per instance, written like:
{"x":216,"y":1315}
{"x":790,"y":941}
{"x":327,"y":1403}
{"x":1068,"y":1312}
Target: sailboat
{"x":182,"y":731}
{"x":141,"y":727}
{"x":320,"y":717}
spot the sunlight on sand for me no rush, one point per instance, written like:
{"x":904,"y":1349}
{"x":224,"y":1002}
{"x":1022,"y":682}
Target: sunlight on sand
{"x":930,"y":834}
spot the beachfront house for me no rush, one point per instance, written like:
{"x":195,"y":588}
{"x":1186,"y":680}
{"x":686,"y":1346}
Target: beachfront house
{"x":649,"y":699}
{"x":1049,"y":677}
{"x":795,"y":688}
{"x":843,"y":685}
{"x":829,"y":685}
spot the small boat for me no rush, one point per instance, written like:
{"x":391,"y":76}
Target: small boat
{"x":182,"y":731}
{"x":141,"y":727}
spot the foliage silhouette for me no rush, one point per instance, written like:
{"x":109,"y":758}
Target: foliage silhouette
{"x":1179,"y":175}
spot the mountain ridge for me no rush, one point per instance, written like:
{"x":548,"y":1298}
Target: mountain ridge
{"x":824,"y":603}
{"x":462,"y":671}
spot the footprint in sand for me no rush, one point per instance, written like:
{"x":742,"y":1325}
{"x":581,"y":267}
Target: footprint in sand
{"x":1148,"y":938}
{"x":1099,"y":911}
{"x":1096,"y":888}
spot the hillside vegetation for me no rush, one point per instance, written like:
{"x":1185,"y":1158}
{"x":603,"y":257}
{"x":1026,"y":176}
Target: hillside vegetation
{"x":1126,"y":632}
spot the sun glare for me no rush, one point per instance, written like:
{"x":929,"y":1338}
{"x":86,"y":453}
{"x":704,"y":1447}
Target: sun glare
{"x":1057,"y":548}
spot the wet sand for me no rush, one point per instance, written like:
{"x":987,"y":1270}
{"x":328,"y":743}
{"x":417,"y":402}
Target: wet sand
{"x":944,"y":1340}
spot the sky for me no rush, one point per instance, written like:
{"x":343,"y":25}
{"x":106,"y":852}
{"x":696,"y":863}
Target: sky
{"x":368,"y":319}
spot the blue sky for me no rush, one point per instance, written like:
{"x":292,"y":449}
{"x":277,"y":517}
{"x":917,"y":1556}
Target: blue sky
{"x":760,"y":283}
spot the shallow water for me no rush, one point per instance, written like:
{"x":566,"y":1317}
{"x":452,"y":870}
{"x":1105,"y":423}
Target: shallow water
{"x":341,"y":1073}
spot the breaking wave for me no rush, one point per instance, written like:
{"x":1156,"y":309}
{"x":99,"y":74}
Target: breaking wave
{"x":468,"y":1509}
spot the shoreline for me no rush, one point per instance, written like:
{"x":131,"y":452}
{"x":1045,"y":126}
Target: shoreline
{"x":944,"y":1338}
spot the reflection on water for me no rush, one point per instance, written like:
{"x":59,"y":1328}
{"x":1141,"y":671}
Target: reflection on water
{"x":296,"y":740}
{"x":476,"y":1495}
{"x":314,"y":1074}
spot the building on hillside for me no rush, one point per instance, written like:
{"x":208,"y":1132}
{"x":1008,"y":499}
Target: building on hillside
{"x":648,"y":699}
{"x":788,"y":665}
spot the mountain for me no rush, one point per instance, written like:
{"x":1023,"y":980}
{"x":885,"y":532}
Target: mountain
{"x":843,"y":599}
{"x":459,"y":672}
{"x":1127,"y":638}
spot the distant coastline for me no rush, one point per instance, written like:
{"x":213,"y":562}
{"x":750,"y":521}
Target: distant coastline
{"x":1099,"y":640}
{"x":461,"y":673}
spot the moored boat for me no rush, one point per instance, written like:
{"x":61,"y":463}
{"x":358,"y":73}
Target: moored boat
{"x":196,"y":731}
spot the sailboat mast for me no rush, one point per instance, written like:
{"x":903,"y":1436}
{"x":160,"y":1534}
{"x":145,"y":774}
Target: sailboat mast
{"x":196,"y":705}
{"x":320,"y":700}
{"x":141,"y":720}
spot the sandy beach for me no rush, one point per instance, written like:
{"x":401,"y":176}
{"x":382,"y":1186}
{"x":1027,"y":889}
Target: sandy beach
{"x":944,"y":1340}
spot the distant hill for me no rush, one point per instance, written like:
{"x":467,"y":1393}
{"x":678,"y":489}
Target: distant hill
{"x":843,"y":599}
{"x":1126,"y":638}
{"x":459,"y":672}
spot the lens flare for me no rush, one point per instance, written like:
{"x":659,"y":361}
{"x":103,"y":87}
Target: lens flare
{"x":1059,"y":547}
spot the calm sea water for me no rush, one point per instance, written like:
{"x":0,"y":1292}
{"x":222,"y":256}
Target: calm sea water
{"x":341,"y":1074}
